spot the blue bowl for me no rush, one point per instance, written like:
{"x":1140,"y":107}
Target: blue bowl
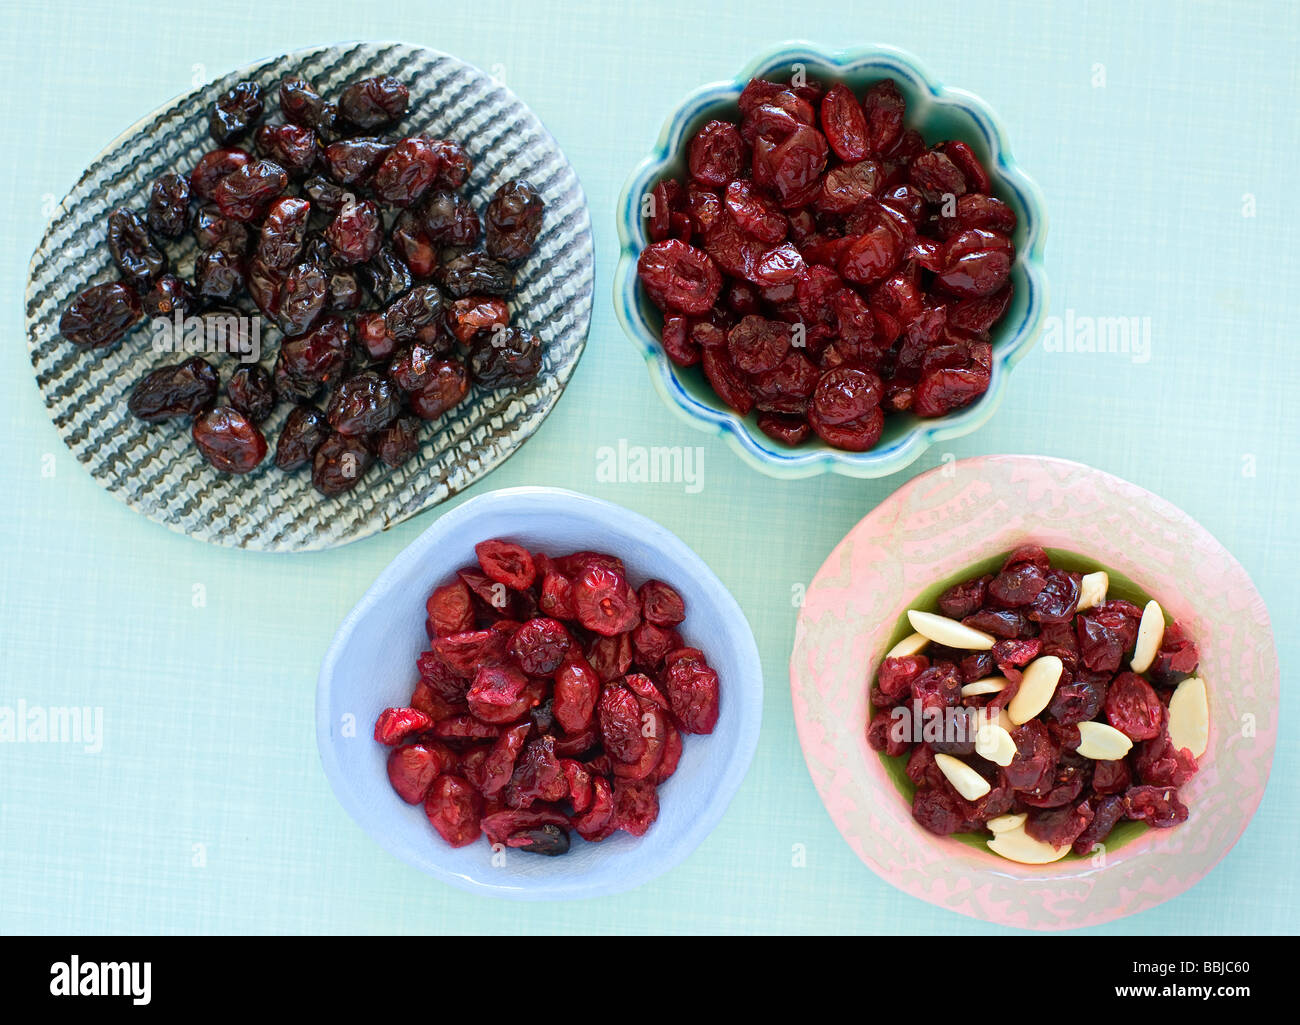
{"x":938,"y":113}
{"x":371,"y":666}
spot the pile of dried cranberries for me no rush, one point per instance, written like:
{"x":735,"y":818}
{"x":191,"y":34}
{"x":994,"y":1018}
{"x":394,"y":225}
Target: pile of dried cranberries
{"x":389,"y":290}
{"x":553,"y":696}
{"x":1019,"y":717}
{"x":826,"y":267}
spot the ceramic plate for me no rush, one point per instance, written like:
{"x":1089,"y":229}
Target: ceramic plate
{"x":156,"y":469}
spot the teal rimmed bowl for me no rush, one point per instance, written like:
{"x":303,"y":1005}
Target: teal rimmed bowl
{"x":938,"y":112}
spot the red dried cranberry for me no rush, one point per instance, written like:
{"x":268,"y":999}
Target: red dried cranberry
{"x":454,"y":808}
{"x":692,"y":689}
{"x":228,"y":440}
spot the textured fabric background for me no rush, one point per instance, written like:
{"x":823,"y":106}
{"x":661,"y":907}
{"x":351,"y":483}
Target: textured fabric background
{"x":1165,"y":139}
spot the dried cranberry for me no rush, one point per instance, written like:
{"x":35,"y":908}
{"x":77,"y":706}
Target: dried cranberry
{"x":577,"y":688}
{"x":469,"y":316}
{"x":844,"y":123}
{"x":477,"y":274}
{"x":455,"y":809}
{"x":715,"y":154}
{"x":505,"y":357}
{"x":169,"y":200}
{"x":374,"y":102}
{"x":283,"y":232}
{"x":397,"y":442}
{"x":442,"y":389}
{"x":244,"y":194}
{"x":212,"y":168}
{"x":138,"y":260}
{"x":605,"y":602}
{"x":412,"y":770}
{"x":406,"y":172}
{"x":339,"y":464}
{"x":540,"y":646}
{"x":235,"y":112}
{"x":678,"y":276}
{"x":513,"y":221}
{"x":356,"y":233}
{"x":182,"y":389}
{"x":251,"y":392}
{"x":449,"y":219}
{"x":169,"y":296}
{"x":692,"y":688}
{"x":304,"y":432}
{"x":362,"y":404}
{"x":228,"y":440}
{"x":1156,"y":806}
{"x":292,"y":147}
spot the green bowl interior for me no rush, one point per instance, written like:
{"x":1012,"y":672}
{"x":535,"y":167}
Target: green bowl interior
{"x":937,"y":122}
{"x":928,"y":600}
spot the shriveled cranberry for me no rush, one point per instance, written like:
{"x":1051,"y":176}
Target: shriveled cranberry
{"x":963,"y":599}
{"x":884,"y":107}
{"x":169,"y":200}
{"x":679,"y":277}
{"x":244,"y":194}
{"x":853,"y":435}
{"x":300,"y":102}
{"x":304,"y":432}
{"x":943,"y":390}
{"x":455,"y":809}
{"x":693,"y":690}
{"x":757,"y":344}
{"x":292,"y":147}
{"x":213,"y":231}
{"x":540,"y":646}
{"x":412,"y":769}
{"x":605,"y":602}
{"x":844,"y":123}
{"x":976,"y":262}
{"x":1177,"y":658}
{"x":636,"y":806}
{"x":497,"y":694}
{"x":937,"y":811}
{"x":1133,"y":708}
{"x":314,"y":359}
{"x":661,"y":604}
{"x":1159,"y":763}
{"x":213,"y":167}
{"x":235,"y":112}
{"x":1156,"y":806}
{"x":619,"y":713}
{"x":1034,"y":762}
{"x":228,"y":440}
{"x":449,"y":219}
{"x":352,"y":162}
{"x":513,"y":221}
{"x":374,"y":102}
{"x":754,"y":214}
{"x":1059,"y":826}
{"x":300,"y":299}
{"x":505,"y":357}
{"x":506,"y":563}
{"x":397,"y":442}
{"x":356,"y":233}
{"x":138,"y":260}
{"x":845,"y":394}
{"x":477,"y":274}
{"x":473,"y":314}
{"x":339,"y":464}
{"x":443,"y":389}
{"x":1017,"y":585}
{"x":251,"y":392}
{"x":283,"y":232}
{"x":182,"y":389}
{"x":1106,"y":812}
{"x":577,"y":688}
{"x":406,"y":172}
{"x":1112,"y":777}
{"x":168,"y":296}
{"x":417,"y":314}
{"x":715,"y":154}
{"x":364,"y":403}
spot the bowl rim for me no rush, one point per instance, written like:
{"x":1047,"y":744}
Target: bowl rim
{"x":991,"y":903}
{"x":748,"y":686}
{"x":751,"y":445}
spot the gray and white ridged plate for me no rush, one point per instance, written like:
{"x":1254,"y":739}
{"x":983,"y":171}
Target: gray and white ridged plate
{"x":155,"y":468}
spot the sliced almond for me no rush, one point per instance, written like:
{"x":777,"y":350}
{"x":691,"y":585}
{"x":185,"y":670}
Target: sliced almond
{"x":1036,"y":688}
{"x":965,"y":780}
{"x":1006,"y":823}
{"x":1017,"y":845}
{"x":1102,"y":743}
{"x":1151,"y":631}
{"x":1189,"y":716}
{"x":912,"y":644}
{"x":988,"y":685}
{"x":949,"y":632}
{"x":987,"y":715}
{"x":995,"y":744}
{"x":1092,"y":589}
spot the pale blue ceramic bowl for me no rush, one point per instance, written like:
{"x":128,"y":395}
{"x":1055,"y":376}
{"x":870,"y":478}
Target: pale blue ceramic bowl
{"x":371,"y":666}
{"x":938,"y":112}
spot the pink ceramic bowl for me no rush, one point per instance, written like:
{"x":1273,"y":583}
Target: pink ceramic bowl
{"x":935,"y":527}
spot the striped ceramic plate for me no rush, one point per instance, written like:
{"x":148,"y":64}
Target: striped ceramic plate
{"x":155,"y":468}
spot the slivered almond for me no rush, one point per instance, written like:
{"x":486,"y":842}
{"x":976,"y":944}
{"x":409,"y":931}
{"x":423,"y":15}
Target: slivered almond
{"x":949,"y":632}
{"x":965,"y":780}
{"x":1004,"y":823}
{"x":988,"y":685}
{"x":1102,"y":743}
{"x":912,"y":644}
{"x":1092,"y":589}
{"x":1189,"y":716}
{"x":995,"y":744}
{"x":1017,"y":845}
{"x":1036,"y":688}
{"x":1151,"y":631}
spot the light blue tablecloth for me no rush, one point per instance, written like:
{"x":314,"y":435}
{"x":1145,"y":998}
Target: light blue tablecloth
{"x":1165,"y":138}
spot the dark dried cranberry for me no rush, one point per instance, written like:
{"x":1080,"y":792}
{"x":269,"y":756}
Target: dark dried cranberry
{"x":169,"y":200}
{"x":356,"y":233}
{"x":219,"y":275}
{"x":884,"y":108}
{"x":138,"y":260}
{"x":244,"y":194}
{"x":505,"y":357}
{"x":416,"y":315}
{"x":385,"y":276}
{"x":467,"y":317}
{"x":1133,"y":708}
{"x":363,"y":404}
{"x":292,"y":147}
{"x":477,"y":274}
{"x":283,"y":232}
{"x":846,"y":393}
{"x":844,"y":123}
{"x":449,"y":219}
{"x":1156,"y":806}
{"x":212,"y":168}
{"x":213,"y":231}
{"x":251,"y":392}
{"x":100,"y":315}
{"x":1058,"y":601}
{"x":374,"y":102}
{"x":169,"y":296}
{"x":399,"y":441}
{"x":339,"y":464}
{"x":324,"y":195}
{"x":235,"y":112}
{"x":228,"y":440}
{"x":300,"y":102}
{"x":715,"y":154}
{"x":1018,"y":585}
{"x":304,"y":432}
{"x":301,"y":298}
{"x":964,"y":599}
{"x":513,"y":221}
{"x":343,"y":291}
{"x":406,"y":172}
{"x":442,"y":390}
{"x":182,"y":389}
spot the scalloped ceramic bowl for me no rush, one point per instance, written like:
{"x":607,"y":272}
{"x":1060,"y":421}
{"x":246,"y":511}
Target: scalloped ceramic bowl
{"x":935,"y":529}
{"x":371,"y":666}
{"x":938,"y":112}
